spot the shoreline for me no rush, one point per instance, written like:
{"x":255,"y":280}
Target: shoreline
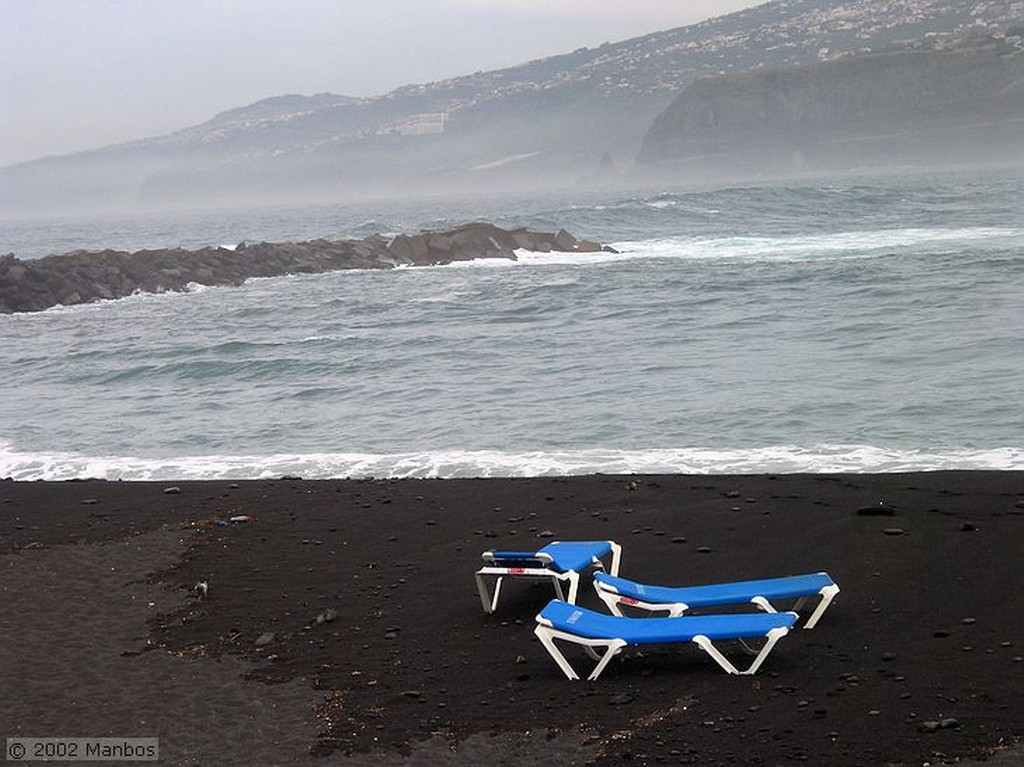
{"x":926,"y":628}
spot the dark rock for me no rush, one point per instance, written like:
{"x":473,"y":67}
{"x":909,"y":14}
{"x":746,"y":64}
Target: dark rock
{"x":620,"y":699}
{"x":327,"y":616}
{"x":265,"y":638}
{"x":85,"y":276}
{"x":878,"y":510}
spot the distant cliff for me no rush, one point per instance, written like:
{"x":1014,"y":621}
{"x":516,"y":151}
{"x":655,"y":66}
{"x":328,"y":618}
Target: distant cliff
{"x":83,"y":276}
{"x":576,"y":118}
{"x":899,"y":106}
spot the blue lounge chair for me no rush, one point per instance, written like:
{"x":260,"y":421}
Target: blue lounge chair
{"x":558,"y":562}
{"x":676,"y":601}
{"x":560,"y":620}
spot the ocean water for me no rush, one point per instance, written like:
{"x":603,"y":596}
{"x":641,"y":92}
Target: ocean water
{"x":863,"y":324}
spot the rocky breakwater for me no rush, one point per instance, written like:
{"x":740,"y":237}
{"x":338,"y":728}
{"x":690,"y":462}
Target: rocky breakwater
{"x":85,"y":276}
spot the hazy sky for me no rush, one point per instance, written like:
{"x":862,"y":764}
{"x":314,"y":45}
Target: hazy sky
{"x":80,"y":74}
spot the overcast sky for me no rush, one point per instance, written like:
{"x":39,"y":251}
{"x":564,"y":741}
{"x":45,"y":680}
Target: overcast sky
{"x":80,"y":74}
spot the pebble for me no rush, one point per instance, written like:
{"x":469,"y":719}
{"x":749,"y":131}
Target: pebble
{"x":879,"y":510}
{"x":620,"y":699}
{"x":704,"y":550}
{"x":265,"y":638}
{"x":172,"y":490}
{"x":893,"y":531}
{"x":679,"y":539}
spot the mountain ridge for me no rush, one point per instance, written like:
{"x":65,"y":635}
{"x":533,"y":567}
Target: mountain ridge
{"x":562,"y":120}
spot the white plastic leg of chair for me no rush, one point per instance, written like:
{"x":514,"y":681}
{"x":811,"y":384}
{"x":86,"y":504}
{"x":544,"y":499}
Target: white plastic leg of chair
{"x":764,"y":604}
{"x":558,"y":587}
{"x":773,"y":636}
{"x":827,"y":595}
{"x":705,"y":644}
{"x":490,"y":603}
{"x":574,"y":585}
{"x":610,"y":599}
{"x":616,"y":557}
{"x":614,"y":646}
{"x":546,"y":637}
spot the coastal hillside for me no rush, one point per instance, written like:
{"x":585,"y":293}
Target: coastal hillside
{"x":575,"y":118}
{"x":927,"y":104}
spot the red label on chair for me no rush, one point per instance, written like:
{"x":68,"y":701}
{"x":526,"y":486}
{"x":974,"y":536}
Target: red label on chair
{"x":627,"y":600}
{"x":517,"y":570}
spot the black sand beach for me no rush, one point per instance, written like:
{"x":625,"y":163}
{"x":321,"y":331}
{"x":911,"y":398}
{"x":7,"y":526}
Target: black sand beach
{"x":342,"y":623}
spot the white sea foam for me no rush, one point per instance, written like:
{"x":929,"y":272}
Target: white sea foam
{"x":824,"y":246}
{"x":856,"y":244}
{"x":482,"y":463}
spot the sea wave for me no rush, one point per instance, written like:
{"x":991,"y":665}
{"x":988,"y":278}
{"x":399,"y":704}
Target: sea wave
{"x":839,"y":245}
{"x":784,"y":459}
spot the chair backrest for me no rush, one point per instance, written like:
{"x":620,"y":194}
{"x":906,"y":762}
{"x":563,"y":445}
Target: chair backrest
{"x":517,"y":558}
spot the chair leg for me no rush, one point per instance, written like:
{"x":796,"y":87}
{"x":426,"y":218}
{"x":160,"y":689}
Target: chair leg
{"x":773,"y":636}
{"x":555,"y":581}
{"x":616,"y":557}
{"x":613,"y":649}
{"x":827,"y":595}
{"x":574,"y":585}
{"x":611,"y":600}
{"x":764,"y":604}
{"x":490,"y":603}
{"x":548,"y":635}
